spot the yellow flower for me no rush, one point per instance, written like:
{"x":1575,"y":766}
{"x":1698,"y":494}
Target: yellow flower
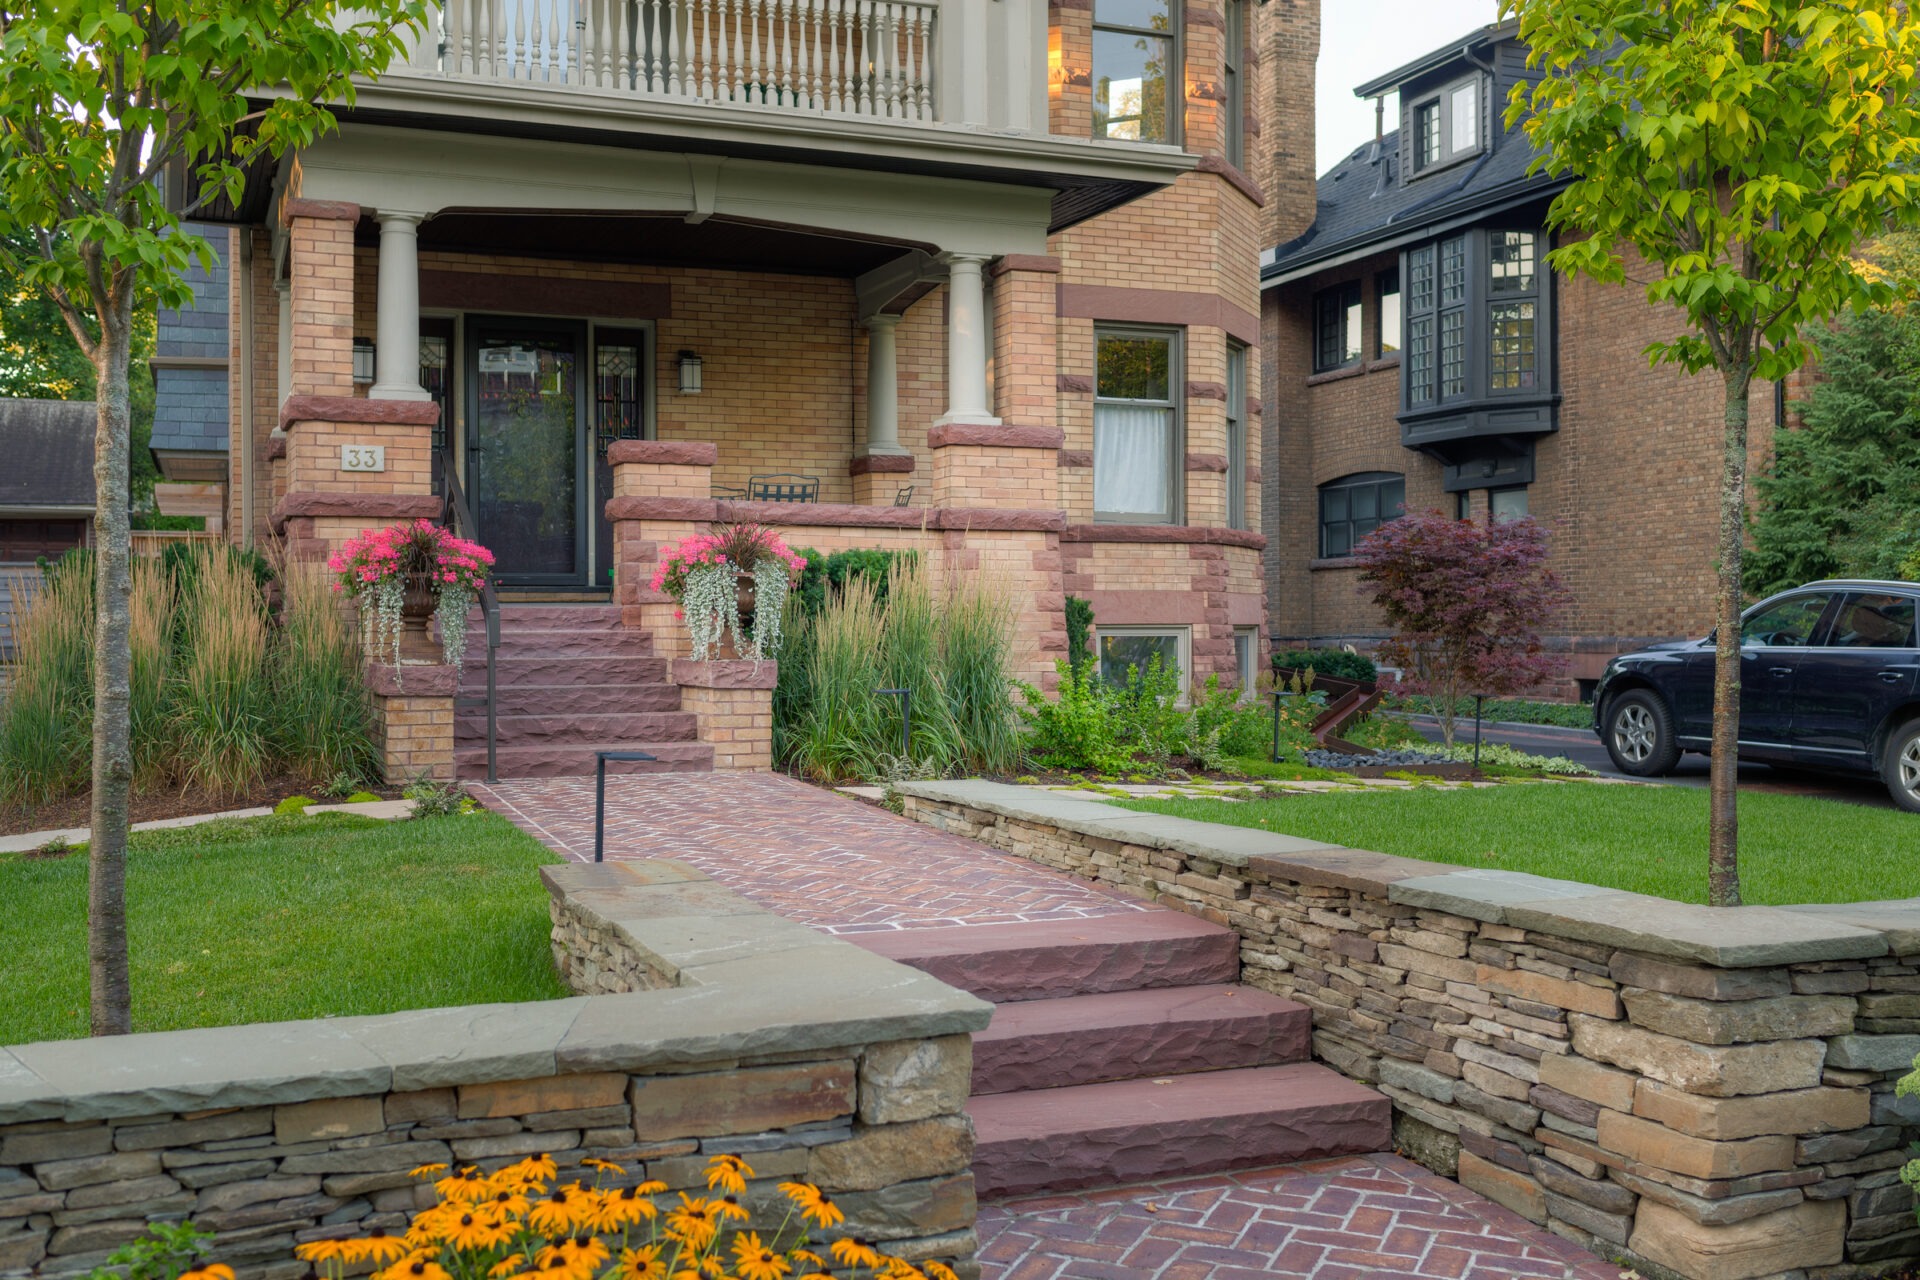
{"x":713,"y":1267}
{"x":506,"y":1266}
{"x":477,"y":1230}
{"x":558,"y":1214}
{"x":729,"y":1172}
{"x":854,"y":1253}
{"x":430,"y":1226}
{"x":417,"y":1266}
{"x":208,"y":1271}
{"x":507,"y":1202}
{"x":425,"y":1169}
{"x":895,"y":1269}
{"x":538,"y":1168}
{"x":730,"y":1207}
{"x":466,"y":1186}
{"x":626,"y":1207}
{"x":556,"y":1263}
{"x":318,"y":1251}
{"x":376,"y":1246}
{"x":755,"y":1261}
{"x":694,"y":1222}
{"x":815,"y":1205}
{"x":940,"y":1271}
{"x":809,"y":1257}
{"x":642,"y":1263}
{"x":601,"y":1166}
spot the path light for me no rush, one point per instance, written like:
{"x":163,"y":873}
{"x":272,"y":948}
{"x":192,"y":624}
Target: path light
{"x":690,"y":379}
{"x":600,"y":796}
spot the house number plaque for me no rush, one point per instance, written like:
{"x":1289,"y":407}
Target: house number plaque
{"x":363,"y":457}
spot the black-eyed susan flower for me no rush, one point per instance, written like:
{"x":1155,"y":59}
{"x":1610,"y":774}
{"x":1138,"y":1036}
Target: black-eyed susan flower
{"x":940,"y":1271}
{"x":376,"y":1246}
{"x":540,"y":1168}
{"x":556,"y":1263}
{"x":815,"y":1205}
{"x":559,"y":1213}
{"x":728,"y":1172}
{"x":426,"y":1170}
{"x":754,"y":1260}
{"x":854,"y":1253}
{"x":415,"y":1266}
{"x":602,"y":1166}
{"x":208,"y":1271}
{"x":643,"y":1262}
{"x":477,"y":1229}
{"x":627,"y":1207}
{"x":465,"y":1185}
{"x":506,"y":1266}
{"x":319,"y":1251}
{"x":693,"y":1221}
{"x":730,"y":1207}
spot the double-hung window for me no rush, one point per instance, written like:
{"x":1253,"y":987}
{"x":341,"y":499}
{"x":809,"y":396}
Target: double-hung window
{"x":1137,"y":450}
{"x":1337,"y":323}
{"x":1236,"y":436}
{"x":1513,"y":309}
{"x":1446,"y":126}
{"x":1234,"y":135}
{"x":1386,"y":287}
{"x":1136,"y":64}
{"x":1354,"y":506}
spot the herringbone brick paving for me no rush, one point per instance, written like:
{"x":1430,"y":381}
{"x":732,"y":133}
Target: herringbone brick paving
{"x":1360,"y":1218}
{"x":825,"y":860}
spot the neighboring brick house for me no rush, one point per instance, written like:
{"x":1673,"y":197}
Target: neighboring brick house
{"x":984,"y":273}
{"x":46,"y":494}
{"x":190,"y":395}
{"x":1419,"y":351}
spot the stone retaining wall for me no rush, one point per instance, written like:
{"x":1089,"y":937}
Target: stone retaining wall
{"x":1695,"y":1092}
{"x":737,"y":1031}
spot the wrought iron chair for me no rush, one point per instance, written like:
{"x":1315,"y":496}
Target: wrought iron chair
{"x":783,"y":488}
{"x":904,"y":498}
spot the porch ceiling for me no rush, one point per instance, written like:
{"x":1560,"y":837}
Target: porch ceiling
{"x":657,"y":239}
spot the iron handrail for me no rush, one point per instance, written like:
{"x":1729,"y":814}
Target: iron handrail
{"x":462,"y":521}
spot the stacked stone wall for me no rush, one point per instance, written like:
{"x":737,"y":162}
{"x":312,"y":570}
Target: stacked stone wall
{"x":1712,"y":1099}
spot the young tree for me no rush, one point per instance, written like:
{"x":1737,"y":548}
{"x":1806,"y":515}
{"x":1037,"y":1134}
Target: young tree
{"x":1467,"y":602}
{"x":103,"y":98}
{"x":1744,"y":151}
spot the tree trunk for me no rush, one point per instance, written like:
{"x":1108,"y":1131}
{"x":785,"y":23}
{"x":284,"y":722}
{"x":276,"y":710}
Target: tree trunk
{"x":1723,"y":823}
{"x":112,"y":998}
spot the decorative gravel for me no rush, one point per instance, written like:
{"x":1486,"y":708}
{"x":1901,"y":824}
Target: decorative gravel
{"x":1392,"y":759}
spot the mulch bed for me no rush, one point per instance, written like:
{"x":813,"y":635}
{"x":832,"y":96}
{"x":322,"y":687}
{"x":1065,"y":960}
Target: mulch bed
{"x":162,"y":802}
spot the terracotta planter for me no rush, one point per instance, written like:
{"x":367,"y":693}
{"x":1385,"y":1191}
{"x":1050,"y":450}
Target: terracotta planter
{"x":418,"y":601}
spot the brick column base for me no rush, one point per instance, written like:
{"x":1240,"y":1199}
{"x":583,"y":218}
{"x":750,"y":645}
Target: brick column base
{"x":732,"y":700}
{"x":413,"y":718}
{"x":878,"y":479}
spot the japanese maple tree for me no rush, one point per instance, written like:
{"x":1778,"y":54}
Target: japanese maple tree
{"x":1467,"y":601}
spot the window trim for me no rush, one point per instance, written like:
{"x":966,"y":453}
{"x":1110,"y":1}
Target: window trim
{"x":1233,"y":140}
{"x":1357,"y":480}
{"x":1183,"y":646}
{"x":1175,"y":36}
{"x":1350,"y":297}
{"x":1247,"y":671}
{"x":1476,"y":311}
{"x":1381,"y":293}
{"x":1237,"y":512}
{"x":1441,"y":100}
{"x":1177,"y":446}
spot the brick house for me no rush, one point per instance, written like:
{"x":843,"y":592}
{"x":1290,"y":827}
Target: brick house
{"x":1420,"y":352}
{"x":982,"y":273}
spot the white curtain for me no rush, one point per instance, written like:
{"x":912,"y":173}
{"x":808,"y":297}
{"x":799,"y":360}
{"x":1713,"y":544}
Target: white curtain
{"x":1131,"y":469}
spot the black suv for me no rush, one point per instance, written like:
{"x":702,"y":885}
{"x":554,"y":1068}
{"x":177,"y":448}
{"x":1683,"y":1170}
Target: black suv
{"x":1829,"y":679}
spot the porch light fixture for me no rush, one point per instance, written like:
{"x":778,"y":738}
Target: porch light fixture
{"x":362,"y":360}
{"x":689,"y":374}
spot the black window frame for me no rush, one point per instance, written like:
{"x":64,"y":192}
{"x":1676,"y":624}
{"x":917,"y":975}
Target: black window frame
{"x":1433,"y":312}
{"x":1338,"y":305}
{"x":1381,"y":483}
{"x":1434,"y":148}
{"x":1175,"y":76}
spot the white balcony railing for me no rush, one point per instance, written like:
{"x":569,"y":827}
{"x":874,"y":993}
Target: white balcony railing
{"x":841,"y":57}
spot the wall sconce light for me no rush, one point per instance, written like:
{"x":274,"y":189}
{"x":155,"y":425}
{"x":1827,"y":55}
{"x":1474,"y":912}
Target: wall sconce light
{"x":690,"y":379}
{"x":362,"y":360}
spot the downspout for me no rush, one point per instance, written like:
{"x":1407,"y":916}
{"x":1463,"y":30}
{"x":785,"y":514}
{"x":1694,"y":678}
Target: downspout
{"x":246,"y":386}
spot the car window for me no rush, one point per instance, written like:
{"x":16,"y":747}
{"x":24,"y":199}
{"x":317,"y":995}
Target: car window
{"x":1785,"y":624}
{"x":1873,"y":620}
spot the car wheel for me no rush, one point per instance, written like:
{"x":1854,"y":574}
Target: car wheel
{"x":1640,"y":735}
{"x":1902,"y":768}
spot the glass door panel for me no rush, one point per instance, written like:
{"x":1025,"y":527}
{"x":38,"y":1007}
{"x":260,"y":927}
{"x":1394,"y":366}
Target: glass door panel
{"x":619,"y":413}
{"x":524,"y":451}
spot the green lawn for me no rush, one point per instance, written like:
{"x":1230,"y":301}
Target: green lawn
{"x":1646,"y":839}
{"x":286,"y":917}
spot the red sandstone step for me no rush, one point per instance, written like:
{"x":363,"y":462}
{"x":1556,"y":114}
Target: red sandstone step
{"x":561,"y":727}
{"x":1045,"y":1044}
{"x":516,"y":641}
{"x":524,"y":669}
{"x":1134,"y":1130}
{"x":569,"y":617}
{"x":1121,"y":952}
{"x":577,"y":760}
{"x":579,"y":699}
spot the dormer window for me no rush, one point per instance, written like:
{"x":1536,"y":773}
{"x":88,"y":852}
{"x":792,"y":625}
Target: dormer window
{"x":1446,"y":126}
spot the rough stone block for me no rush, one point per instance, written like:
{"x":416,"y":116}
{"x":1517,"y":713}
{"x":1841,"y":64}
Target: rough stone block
{"x":1417,"y":1079}
{"x":328,"y":1119}
{"x":910,"y":1210}
{"x":238,"y":1195}
{"x":1559,"y":992}
{"x":60,"y":1175}
{"x":915,"y":1079}
{"x":1809,"y":1234}
{"x":1584,"y":1078}
{"x":224,"y":1127}
{"x":1699,"y":981}
{"x":1612,"y":1227}
{"x":129,"y":1191}
{"x":1797,"y":1111}
{"x":70,"y":1142}
{"x":421,"y":1104}
{"x":581,"y":1092}
{"x":1601,"y":1193}
{"x":1707,"y":1211}
{"x":749,"y":1100}
{"x":1716,"y":1070}
{"x":1517,"y":1191}
{"x":885,"y":1154}
{"x":1740,"y":1021}
{"x":1873,"y":1053}
{"x":1645,"y":1142}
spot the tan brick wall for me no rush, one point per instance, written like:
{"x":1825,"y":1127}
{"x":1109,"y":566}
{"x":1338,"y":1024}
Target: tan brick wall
{"x":1212,"y":591}
{"x":322,"y":274}
{"x":416,"y":737}
{"x":1287,"y":40}
{"x":967,"y":475}
{"x":737,"y":723}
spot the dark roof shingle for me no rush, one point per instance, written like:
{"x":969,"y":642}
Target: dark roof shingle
{"x":48,"y":447}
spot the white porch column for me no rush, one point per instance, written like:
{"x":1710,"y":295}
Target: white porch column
{"x":396,"y":368}
{"x":883,"y":386}
{"x":966,"y":341}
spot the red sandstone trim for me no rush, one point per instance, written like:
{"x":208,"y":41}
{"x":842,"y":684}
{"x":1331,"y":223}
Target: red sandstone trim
{"x":1196,"y":535}
{"x":1024,"y":262}
{"x":665,"y":453}
{"x":276,"y":446}
{"x":324,"y":210}
{"x":1255,"y":407}
{"x":1073,"y":383}
{"x":357,"y":506}
{"x":416,"y":680}
{"x":1253,"y":475}
{"x":1206,"y":462}
{"x":475,"y":291}
{"x":725,"y":673}
{"x":414,"y":413}
{"x":1206,"y":391}
{"x":833,"y":514}
{"x":1235,"y":177}
{"x":875,"y":464}
{"x":1158,"y":306}
{"x":996,"y":520}
{"x":1201,"y":16}
{"x":1075,"y":458}
{"x":1337,"y":375}
{"x":698,"y":510}
{"x":1001,"y":437}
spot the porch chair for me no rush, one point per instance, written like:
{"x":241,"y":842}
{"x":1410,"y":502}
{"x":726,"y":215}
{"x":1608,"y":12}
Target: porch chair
{"x":783,"y":488}
{"x":904,"y":498}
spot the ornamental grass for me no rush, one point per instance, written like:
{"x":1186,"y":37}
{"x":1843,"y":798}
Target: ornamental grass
{"x":520,"y":1223}
{"x":45,"y":720}
{"x":221,"y":698}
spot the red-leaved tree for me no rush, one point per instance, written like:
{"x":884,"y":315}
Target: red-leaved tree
{"x":1467,"y":602}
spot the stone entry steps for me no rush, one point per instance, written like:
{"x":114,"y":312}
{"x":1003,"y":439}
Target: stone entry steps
{"x":1122,"y":1049}
{"x":572,"y":681}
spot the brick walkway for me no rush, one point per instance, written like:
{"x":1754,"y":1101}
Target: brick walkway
{"x":1362,"y":1218}
{"x":826,"y":860}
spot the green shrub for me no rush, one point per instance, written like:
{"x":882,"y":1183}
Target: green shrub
{"x":293,"y":804}
{"x":1568,"y":715}
{"x":826,"y":575}
{"x":1337,"y":663}
{"x":433,"y":798}
{"x":154,"y":521}
{"x":1147,"y":714}
{"x":1076,"y":729}
{"x":1079,"y":631}
{"x":363,"y":797}
{"x":1383,"y":732}
{"x":1225,"y":726}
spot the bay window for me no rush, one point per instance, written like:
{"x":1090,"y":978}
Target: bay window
{"x":1136,"y":57}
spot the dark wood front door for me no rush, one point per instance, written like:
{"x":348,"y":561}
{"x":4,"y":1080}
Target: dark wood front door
{"x":528,"y":451}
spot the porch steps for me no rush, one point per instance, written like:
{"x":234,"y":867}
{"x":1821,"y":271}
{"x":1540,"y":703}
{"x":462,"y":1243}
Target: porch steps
{"x":1123,"y":1049}
{"x":571,"y":681}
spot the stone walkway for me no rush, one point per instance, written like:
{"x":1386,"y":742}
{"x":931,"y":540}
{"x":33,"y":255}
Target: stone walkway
{"x":1361,"y":1218}
{"x":822,"y":859}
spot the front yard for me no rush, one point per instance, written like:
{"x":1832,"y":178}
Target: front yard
{"x":286,"y":917}
{"x":1646,"y":839}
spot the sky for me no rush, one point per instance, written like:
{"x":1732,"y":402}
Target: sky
{"x":1361,"y":39}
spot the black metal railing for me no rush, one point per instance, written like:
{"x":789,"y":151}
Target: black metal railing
{"x":460,"y":517}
